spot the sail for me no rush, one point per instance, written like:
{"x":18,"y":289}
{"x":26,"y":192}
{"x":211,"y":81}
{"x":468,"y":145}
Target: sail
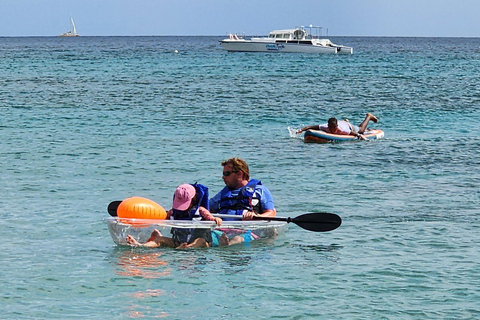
{"x":71,"y":33}
{"x":74,"y":30}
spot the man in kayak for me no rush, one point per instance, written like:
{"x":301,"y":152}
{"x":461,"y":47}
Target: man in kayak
{"x":241,"y":196}
{"x":343,"y":127}
{"x":188,"y":201}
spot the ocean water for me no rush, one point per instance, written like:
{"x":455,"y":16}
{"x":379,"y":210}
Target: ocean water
{"x":90,"y":120}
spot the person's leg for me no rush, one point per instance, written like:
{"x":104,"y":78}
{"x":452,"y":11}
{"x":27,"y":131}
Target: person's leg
{"x":155,"y":235}
{"x":197,"y":243}
{"x":131,"y":240}
{"x":363,"y":126}
{"x":156,"y":240}
{"x":235,"y":240}
{"x":150,"y":244}
{"x":223,"y":240}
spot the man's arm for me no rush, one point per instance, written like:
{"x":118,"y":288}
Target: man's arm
{"x":358,"y":135}
{"x":316,"y":127}
{"x":266,"y":200}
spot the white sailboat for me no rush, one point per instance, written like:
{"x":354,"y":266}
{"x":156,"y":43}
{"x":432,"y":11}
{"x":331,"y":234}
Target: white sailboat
{"x":71,"y":33}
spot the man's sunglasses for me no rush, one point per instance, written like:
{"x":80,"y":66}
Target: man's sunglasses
{"x":227,"y":173}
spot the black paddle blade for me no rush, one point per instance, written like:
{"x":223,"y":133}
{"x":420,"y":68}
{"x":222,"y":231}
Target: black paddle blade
{"x":318,"y":221}
{"x":112,"y":208}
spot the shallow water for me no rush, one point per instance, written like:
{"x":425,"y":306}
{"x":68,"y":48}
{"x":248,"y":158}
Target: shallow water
{"x":90,"y":120}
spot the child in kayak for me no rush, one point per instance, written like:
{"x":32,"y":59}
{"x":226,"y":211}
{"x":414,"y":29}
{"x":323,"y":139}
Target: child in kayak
{"x":189,"y":201}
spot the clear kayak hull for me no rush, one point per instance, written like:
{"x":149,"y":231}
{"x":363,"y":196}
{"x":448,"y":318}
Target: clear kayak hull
{"x":141,"y":229}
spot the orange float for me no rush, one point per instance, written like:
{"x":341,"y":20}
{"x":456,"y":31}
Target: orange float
{"x":141,"y":208}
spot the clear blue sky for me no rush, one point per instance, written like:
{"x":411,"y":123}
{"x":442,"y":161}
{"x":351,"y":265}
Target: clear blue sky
{"x":423,"y":18}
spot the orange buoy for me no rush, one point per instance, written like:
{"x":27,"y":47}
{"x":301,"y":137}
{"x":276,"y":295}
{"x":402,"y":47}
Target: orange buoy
{"x":141,"y":208}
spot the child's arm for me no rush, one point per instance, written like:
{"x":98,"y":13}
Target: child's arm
{"x":208,"y":216}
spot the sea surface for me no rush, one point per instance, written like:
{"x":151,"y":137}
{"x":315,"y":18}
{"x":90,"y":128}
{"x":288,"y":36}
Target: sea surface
{"x":86,"y":121}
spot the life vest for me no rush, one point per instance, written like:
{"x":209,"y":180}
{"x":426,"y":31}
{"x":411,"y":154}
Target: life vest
{"x":244,"y":200}
{"x":202,"y":200}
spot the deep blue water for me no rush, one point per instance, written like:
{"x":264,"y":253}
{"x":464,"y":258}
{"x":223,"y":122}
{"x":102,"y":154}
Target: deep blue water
{"x":89,"y":120}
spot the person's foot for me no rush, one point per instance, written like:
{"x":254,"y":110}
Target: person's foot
{"x":155,"y":234}
{"x":372,"y":117}
{"x":183,"y":246}
{"x":131,"y":240}
{"x":223,"y":240}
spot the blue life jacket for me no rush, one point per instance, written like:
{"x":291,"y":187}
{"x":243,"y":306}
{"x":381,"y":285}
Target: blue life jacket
{"x":230,"y":204}
{"x":201,"y":200}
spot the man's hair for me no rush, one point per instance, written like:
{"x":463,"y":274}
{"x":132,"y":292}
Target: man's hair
{"x":238,"y":165}
{"x":332,"y":123}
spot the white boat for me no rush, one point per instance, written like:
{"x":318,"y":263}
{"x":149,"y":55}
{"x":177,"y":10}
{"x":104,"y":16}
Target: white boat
{"x":301,"y":39}
{"x":71,"y":33}
{"x":141,"y":229}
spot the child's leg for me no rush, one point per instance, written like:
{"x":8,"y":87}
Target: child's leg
{"x":156,"y":240}
{"x":150,"y":244}
{"x":197,"y":243}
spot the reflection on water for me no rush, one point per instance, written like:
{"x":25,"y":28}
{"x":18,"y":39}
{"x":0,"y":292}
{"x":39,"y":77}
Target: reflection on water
{"x":319,"y":248}
{"x":314,"y":251}
{"x":148,"y":293}
{"x":141,"y":264}
{"x":138,"y":314}
{"x":147,"y":311}
{"x":139,"y":311}
{"x":148,"y":265}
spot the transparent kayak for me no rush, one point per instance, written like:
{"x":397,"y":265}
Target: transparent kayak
{"x":141,"y":229}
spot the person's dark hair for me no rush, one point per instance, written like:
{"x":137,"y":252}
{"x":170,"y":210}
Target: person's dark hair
{"x":332,"y":124}
{"x":332,"y":121}
{"x":238,"y":165}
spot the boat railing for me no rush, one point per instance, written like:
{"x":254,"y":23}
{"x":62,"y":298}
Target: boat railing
{"x":236,"y":36}
{"x":314,"y":32}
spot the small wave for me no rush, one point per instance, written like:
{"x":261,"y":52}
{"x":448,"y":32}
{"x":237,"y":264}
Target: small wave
{"x":293,"y":132}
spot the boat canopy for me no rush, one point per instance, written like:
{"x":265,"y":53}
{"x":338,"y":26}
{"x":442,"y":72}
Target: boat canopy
{"x":288,"y":34}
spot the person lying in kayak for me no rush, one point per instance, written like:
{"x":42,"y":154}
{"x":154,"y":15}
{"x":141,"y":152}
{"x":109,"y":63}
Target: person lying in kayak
{"x":343,"y":127}
{"x":241,"y":196}
{"x":189,"y":201}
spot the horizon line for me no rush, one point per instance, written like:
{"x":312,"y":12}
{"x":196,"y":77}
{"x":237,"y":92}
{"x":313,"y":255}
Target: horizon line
{"x":131,"y":36}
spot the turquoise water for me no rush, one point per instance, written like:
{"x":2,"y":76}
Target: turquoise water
{"x":90,"y":120}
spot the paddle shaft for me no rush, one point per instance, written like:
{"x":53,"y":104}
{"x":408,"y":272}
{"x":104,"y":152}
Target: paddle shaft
{"x":239,"y":217}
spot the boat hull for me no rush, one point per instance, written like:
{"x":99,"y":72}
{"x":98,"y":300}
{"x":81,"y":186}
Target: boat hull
{"x":323,"y":137}
{"x":141,"y":229}
{"x":264,"y":46}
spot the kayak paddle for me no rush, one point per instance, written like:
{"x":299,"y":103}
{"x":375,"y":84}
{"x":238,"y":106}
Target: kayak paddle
{"x":112,"y":208}
{"x":316,"y":221}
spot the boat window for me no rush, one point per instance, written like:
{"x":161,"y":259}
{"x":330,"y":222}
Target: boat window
{"x":286,"y":36}
{"x":299,"y":34}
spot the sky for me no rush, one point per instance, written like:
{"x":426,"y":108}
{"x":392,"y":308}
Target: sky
{"x":405,"y":18}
